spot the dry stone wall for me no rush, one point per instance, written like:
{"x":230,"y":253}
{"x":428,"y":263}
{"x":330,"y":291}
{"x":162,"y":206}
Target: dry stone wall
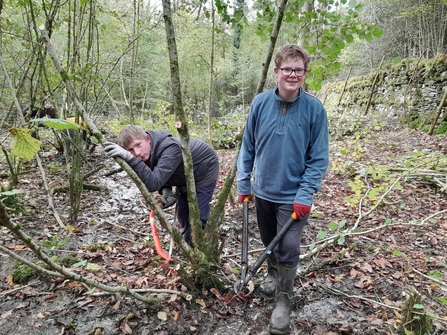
{"x":412,"y":87}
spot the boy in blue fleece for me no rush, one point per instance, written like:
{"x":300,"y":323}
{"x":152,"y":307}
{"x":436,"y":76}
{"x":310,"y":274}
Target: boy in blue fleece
{"x":286,"y":146}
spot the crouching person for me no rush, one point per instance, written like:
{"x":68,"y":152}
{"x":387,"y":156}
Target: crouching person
{"x":157,"y":158}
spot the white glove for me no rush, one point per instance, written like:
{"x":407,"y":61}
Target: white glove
{"x":114,"y":150}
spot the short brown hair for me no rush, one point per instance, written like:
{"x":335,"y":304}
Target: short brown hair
{"x":294,"y":52}
{"x":130,"y":133}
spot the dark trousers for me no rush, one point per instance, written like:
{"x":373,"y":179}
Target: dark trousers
{"x":204,"y":196}
{"x":271,"y":218}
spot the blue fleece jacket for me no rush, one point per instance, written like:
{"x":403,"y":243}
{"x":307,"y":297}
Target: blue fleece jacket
{"x":287,"y":146}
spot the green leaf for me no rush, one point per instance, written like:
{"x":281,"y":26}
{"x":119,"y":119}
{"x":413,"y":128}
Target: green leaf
{"x":333,"y":226}
{"x":408,"y":332}
{"x":341,"y":239}
{"x":321,"y":234}
{"x":349,"y":38}
{"x":352,"y":3}
{"x":418,"y":306}
{"x":443,"y":300}
{"x":377,"y":32}
{"x":11,"y":192}
{"x":436,"y":274}
{"x":80,"y":264}
{"x":90,"y":291}
{"x":59,"y":124}
{"x":341,"y":224}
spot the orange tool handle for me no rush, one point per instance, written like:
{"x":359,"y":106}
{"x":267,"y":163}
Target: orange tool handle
{"x":157,"y":243}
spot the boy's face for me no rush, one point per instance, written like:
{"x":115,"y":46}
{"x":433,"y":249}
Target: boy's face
{"x":141,"y":148}
{"x":288,"y":85}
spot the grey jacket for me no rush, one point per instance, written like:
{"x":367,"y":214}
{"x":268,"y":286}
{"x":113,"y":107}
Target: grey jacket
{"x":165,"y":167}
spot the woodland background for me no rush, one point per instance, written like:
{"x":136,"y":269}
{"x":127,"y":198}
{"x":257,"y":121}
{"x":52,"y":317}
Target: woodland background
{"x":117,"y":65}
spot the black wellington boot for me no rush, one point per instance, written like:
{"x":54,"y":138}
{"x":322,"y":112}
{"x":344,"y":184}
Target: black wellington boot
{"x":268,"y":286}
{"x":280,"y":319}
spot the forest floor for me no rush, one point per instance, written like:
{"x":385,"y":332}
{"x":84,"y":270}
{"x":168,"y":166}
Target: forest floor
{"x":356,"y":285}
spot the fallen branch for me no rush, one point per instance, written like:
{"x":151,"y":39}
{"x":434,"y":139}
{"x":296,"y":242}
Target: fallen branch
{"x":147,"y":290}
{"x":47,"y":191}
{"x":91,"y":187}
{"x":57,"y":270}
{"x":112,"y":172}
{"x":3,"y":294}
{"x":337,"y":292}
{"x":430,"y":278}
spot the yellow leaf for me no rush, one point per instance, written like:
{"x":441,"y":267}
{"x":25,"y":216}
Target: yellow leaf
{"x":23,"y":145}
{"x":93,"y":266}
{"x":201,"y":303}
{"x":162,"y":316}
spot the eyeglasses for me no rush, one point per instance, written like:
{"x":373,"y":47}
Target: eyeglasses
{"x":288,"y":72}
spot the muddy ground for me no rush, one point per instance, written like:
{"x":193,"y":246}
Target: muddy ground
{"x":356,"y":286}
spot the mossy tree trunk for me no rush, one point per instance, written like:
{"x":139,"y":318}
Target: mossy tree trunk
{"x":182,"y":127}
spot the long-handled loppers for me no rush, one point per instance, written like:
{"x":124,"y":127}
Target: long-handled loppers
{"x":247,"y":273}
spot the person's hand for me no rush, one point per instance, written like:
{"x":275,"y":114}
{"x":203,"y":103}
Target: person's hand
{"x":241,"y":197}
{"x":168,"y":198}
{"x":114,"y":150}
{"x":300,"y":210}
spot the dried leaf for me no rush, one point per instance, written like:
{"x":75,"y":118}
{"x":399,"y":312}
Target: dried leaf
{"x":125,"y":328}
{"x":216,"y":292}
{"x":175,"y":315}
{"x":11,"y":279}
{"x":250,"y":286}
{"x":367,"y":267}
{"x":201,"y":303}
{"x":6,"y":314}
{"x":162,"y":316}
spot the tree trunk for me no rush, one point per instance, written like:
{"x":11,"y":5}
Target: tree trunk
{"x":438,"y":113}
{"x":182,"y":127}
{"x":268,"y":57}
{"x":210,"y":91}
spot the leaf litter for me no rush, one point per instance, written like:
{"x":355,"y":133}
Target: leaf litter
{"x":355,"y":287}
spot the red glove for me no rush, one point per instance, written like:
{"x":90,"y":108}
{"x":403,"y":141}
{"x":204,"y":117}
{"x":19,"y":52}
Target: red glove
{"x":241,"y":197}
{"x":301,"y":210}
